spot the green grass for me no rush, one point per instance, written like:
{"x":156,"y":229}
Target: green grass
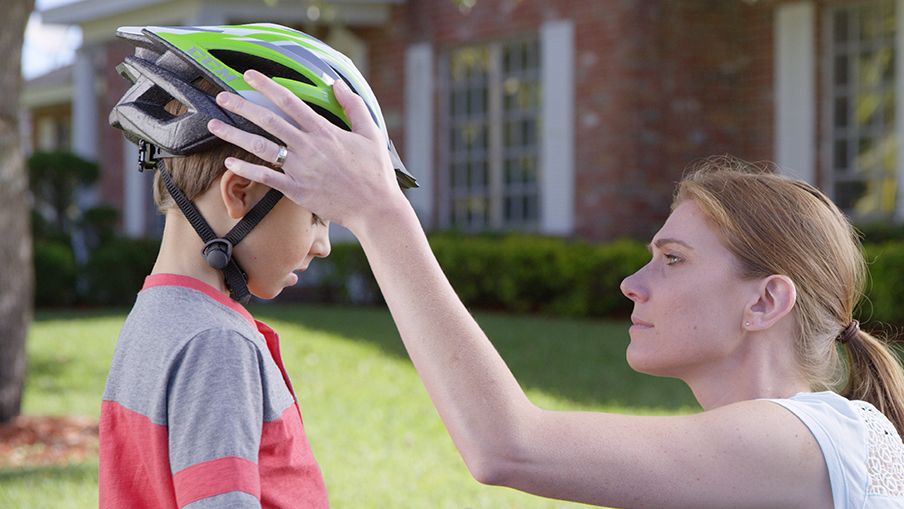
{"x":378,"y":439}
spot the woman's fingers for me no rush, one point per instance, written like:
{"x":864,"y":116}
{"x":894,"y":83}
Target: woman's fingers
{"x":357,"y":111}
{"x":257,"y":114}
{"x":252,"y":143}
{"x":289,"y":103}
{"x":266,"y":176}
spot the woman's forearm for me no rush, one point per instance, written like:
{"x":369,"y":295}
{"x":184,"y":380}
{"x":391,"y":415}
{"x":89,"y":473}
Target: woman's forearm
{"x":478,"y":398}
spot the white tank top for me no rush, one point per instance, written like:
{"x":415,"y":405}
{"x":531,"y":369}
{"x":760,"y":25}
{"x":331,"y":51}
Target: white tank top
{"x":862,"y":449}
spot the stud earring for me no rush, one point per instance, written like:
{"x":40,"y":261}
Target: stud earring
{"x":746,"y":324}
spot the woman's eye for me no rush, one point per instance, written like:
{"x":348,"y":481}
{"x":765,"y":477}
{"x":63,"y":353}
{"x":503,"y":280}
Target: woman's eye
{"x":671,"y":259}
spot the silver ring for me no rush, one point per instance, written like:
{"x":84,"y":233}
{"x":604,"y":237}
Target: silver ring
{"x":281,"y":157}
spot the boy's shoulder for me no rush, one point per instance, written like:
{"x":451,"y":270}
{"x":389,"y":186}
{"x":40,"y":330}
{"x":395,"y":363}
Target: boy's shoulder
{"x":172,"y":314}
{"x":172,"y":328}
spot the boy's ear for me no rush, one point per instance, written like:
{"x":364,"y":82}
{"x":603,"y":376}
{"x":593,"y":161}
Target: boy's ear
{"x":775,"y":299}
{"x":239,"y":194}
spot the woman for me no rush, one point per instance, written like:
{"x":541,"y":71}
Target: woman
{"x":750,"y":288}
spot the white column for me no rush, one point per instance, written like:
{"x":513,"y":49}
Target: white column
{"x":134,"y":192}
{"x":84,"y":105}
{"x":899,"y":105}
{"x":419,"y":128}
{"x":557,"y":136}
{"x":795,"y":92}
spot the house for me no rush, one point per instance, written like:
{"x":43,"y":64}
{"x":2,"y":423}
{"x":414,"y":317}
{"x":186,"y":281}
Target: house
{"x":570,"y":118}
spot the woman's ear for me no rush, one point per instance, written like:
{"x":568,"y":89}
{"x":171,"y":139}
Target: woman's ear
{"x":775,"y":299}
{"x":239,"y":194}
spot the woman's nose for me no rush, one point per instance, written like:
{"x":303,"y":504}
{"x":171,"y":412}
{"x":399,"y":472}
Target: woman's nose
{"x":633,"y":288}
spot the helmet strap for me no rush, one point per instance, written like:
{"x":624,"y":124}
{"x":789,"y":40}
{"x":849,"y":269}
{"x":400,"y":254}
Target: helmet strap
{"x":217,"y":251}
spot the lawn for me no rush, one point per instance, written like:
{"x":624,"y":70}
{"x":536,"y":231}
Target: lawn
{"x":376,"y":435}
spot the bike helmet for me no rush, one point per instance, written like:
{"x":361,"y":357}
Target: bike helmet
{"x":168,"y":59}
{"x":166,"y":63}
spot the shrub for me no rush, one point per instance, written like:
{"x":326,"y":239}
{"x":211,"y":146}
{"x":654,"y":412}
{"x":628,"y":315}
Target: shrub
{"x":523,"y":273}
{"x":344,"y":277}
{"x":517,"y":273}
{"x":55,"y":274}
{"x":880,"y":232}
{"x":884,"y":289}
{"x":115,"y":271}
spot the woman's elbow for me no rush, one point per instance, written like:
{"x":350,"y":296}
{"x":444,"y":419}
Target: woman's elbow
{"x":499,"y":458}
{"x":490,"y":468}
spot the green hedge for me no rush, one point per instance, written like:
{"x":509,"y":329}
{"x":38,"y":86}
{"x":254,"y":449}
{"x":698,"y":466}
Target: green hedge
{"x":55,"y":274}
{"x":112,"y":275}
{"x":517,"y":273}
{"x":884,"y":300}
{"x":520,"y":273}
{"x":116,"y":270}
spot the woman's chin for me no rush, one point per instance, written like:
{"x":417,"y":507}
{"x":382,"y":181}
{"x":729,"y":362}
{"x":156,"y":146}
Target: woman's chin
{"x":643,"y":362}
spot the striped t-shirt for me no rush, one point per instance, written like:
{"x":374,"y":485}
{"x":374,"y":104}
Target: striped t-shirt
{"x":198,"y":411}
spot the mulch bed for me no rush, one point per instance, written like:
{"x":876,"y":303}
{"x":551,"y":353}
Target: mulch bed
{"x":47,"y":440}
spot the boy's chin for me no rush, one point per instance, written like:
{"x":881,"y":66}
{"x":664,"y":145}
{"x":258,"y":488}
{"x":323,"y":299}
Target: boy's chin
{"x":266,"y":293}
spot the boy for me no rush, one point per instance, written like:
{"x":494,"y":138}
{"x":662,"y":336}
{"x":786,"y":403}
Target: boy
{"x":198,"y":411}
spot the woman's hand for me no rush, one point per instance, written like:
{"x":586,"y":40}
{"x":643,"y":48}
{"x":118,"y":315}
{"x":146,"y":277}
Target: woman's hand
{"x":339,"y":175}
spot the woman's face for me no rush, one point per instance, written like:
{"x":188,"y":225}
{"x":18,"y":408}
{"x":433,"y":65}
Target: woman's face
{"x":689,"y":299}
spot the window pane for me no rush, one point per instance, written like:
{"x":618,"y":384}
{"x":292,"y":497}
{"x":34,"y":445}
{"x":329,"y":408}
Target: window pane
{"x":847,"y":193}
{"x":841,"y":112}
{"x":840,"y":26}
{"x":862,"y":95}
{"x":841,"y":70}
{"x":841,"y":155}
{"x":493,"y":102}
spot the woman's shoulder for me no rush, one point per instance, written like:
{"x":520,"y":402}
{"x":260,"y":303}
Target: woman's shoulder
{"x":863,"y":450}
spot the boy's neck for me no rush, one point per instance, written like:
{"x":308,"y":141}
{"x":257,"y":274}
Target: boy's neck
{"x":180,"y":253}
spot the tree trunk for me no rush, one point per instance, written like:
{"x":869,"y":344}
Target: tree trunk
{"x":16,"y":272}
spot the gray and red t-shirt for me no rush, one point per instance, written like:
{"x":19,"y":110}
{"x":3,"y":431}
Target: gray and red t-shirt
{"x":198,"y":411}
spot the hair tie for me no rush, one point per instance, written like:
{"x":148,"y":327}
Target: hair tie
{"x":849,"y":332}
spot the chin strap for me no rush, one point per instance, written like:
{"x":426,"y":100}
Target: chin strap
{"x":217,"y":251}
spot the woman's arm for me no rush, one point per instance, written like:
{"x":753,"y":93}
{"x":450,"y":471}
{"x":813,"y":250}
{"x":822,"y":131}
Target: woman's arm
{"x":752,"y":454}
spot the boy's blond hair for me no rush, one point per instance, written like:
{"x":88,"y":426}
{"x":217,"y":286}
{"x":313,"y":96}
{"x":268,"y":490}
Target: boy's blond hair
{"x":194,"y":174}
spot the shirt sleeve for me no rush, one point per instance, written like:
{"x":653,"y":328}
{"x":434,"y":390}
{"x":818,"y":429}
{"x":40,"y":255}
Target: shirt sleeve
{"x":214,"y":420}
{"x":840,"y":437}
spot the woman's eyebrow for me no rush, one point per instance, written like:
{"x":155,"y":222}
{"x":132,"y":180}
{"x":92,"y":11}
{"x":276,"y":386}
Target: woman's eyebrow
{"x":661,"y":242}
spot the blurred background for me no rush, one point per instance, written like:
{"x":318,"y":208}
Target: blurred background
{"x":547,"y":138}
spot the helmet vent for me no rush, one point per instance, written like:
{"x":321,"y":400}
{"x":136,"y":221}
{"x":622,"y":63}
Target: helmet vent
{"x":158,"y":102}
{"x":241,"y":62}
{"x":329,"y":115}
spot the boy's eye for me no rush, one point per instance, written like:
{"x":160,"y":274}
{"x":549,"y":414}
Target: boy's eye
{"x":315,"y":219}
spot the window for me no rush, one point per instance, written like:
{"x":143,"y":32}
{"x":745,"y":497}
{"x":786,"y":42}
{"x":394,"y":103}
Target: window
{"x":862,"y":108}
{"x":492,"y":145}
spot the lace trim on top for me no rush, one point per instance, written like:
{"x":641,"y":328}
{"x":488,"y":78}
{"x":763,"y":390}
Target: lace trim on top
{"x":886,"y":453}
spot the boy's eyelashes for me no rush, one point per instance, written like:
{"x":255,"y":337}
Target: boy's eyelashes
{"x":315,"y":219}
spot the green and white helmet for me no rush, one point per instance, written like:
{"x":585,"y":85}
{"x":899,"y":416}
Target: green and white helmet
{"x":168,"y":60}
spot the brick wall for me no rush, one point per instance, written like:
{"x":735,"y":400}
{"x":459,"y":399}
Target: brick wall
{"x":658,"y":84}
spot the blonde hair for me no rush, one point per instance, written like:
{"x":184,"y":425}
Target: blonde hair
{"x":777,"y":225}
{"x":194,"y":174}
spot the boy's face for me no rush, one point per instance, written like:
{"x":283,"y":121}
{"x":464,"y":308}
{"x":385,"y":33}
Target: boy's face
{"x":285,"y":241}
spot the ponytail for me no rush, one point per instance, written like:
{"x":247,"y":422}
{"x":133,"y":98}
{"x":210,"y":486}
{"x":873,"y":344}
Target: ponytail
{"x":876,"y":376}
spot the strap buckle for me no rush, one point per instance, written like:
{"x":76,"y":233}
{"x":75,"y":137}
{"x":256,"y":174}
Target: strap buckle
{"x":147,"y":155}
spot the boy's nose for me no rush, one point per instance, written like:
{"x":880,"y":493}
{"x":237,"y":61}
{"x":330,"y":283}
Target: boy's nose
{"x":321,"y":247}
